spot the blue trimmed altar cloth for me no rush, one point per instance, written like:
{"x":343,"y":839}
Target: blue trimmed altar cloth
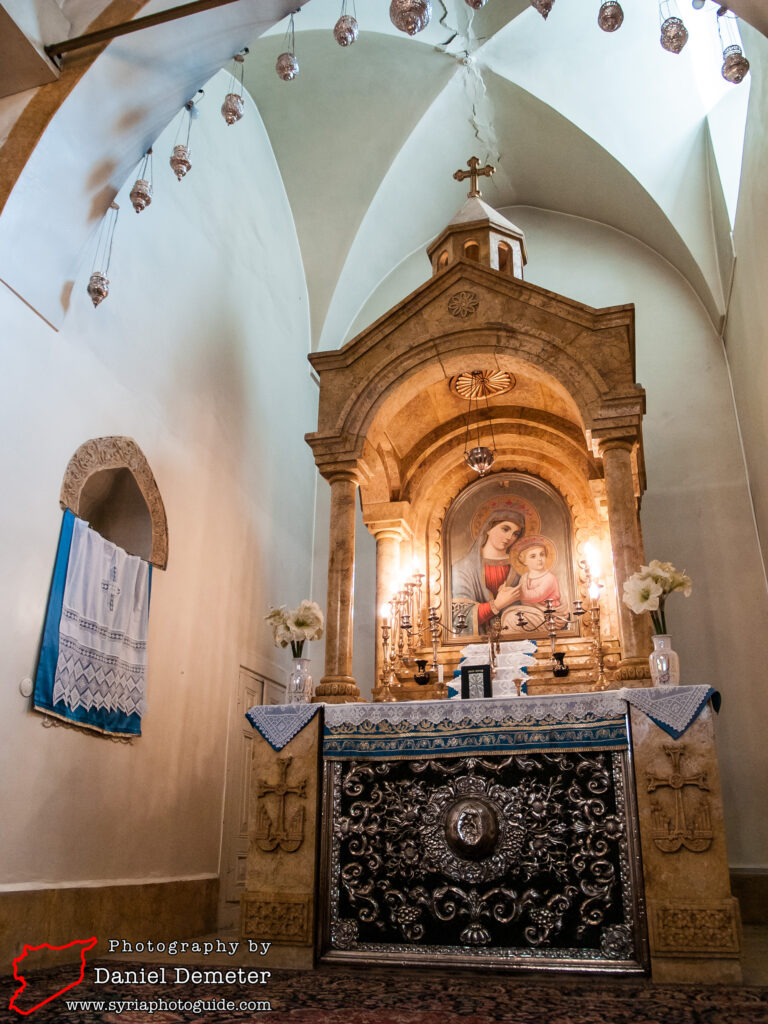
{"x":436,"y":729}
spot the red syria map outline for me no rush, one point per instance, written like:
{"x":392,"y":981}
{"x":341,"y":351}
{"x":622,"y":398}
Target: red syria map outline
{"x":85,"y":943}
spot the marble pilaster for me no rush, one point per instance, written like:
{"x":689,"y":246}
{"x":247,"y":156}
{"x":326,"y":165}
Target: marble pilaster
{"x":338,"y":684}
{"x":627,"y":548}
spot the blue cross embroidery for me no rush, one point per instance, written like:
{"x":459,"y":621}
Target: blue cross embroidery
{"x":110,"y":587}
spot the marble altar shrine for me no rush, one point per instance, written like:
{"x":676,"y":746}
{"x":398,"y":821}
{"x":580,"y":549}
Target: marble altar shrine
{"x":574,"y":827}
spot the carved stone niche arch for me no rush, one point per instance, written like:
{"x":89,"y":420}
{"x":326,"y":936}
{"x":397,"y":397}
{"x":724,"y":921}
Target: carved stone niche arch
{"x":109,"y":483}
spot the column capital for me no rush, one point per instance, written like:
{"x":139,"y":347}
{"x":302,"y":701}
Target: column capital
{"x":615,"y":444}
{"x":388,"y":519}
{"x":341,"y":474}
{"x":613,"y":440}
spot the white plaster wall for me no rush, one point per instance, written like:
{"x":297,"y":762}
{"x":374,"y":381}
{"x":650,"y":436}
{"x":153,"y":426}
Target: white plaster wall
{"x":199,"y":353}
{"x":747,"y":325}
{"x":696,"y":511}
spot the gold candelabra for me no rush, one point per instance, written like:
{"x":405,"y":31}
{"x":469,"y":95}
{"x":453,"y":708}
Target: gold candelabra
{"x":403,"y":631}
{"x":593,"y":623}
{"x":554,"y":622}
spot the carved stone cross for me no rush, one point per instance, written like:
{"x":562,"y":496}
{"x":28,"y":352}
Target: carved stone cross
{"x":288,"y":835}
{"x":475,"y":171}
{"x":670,"y":834}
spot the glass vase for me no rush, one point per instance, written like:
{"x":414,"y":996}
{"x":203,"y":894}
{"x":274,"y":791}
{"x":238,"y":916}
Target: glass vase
{"x":665,"y":664}
{"x":299,"y":683}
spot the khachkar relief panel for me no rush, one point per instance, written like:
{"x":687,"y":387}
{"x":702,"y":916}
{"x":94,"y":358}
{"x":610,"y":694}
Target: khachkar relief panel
{"x":527,"y":859}
{"x":286,"y":831}
{"x":680,"y":809}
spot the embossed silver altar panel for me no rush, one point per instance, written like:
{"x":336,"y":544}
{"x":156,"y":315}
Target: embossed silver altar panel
{"x":528,"y":860}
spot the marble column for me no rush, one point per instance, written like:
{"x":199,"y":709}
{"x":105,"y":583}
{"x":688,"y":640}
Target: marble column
{"x":628,"y":556}
{"x":388,"y":540}
{"x":338,"y":684}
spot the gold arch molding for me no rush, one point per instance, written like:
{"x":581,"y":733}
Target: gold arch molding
{"x":118,"y":453}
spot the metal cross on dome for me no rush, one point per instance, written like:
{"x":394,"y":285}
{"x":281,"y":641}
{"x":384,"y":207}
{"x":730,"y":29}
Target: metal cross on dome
{"x":475,"y":171}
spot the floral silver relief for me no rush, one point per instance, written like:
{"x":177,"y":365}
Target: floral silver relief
{"x":520,"y":857}
{"x":674,"y":35}
{"x":98,"y":287}
{"x":610,"y":16}
{"x":543,"y":7}
{"x":233,"y":107}
{"x":410,"y":16}
{"x":735,"y":64}
{"x":616,"y":942}
{"x":346,"y":30}
{"x":287,"y":67}
{"x":475,"y":4}
{"x":180,"y":161}
{"x":141,"y":195}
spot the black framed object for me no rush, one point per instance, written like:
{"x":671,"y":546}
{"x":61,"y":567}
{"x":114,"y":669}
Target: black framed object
{"x":475,"y":681}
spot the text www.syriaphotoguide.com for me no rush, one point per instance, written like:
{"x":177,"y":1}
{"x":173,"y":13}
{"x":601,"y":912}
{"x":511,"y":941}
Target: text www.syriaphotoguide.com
{"x":159,"y":1005}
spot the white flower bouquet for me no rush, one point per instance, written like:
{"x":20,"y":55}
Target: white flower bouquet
{"x":648,"y":589}
{"x":294,"y":626}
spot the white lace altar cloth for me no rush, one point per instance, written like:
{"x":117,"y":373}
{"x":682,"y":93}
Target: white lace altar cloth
{"x":673,"y":708}
{"x":102,"y":661}
{"x":583,"y":721}
{"x":279,"y":723}
{"x":427,"y":729}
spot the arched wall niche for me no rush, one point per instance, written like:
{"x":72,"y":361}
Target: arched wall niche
{"x":109,"y":483}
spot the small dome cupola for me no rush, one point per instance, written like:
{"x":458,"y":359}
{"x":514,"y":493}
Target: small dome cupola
{"x":479,"y":233}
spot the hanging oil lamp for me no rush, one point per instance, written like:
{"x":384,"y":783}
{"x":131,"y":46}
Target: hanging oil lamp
{"x":610,"y":16}
{"x":233,"y":107}
{"x":141,"y":193}
{"x":410,"y":16}
{"x":181,"y":162}
{"x":543,"y":7}
{"x":286,"y":65}
{"x":98,"y":283}
{"x":674,"y":34}
{"x":346,"y":29}
{"x":735,"y":64}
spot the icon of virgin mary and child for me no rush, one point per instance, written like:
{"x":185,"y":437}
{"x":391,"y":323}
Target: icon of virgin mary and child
{"x":487,"y":586}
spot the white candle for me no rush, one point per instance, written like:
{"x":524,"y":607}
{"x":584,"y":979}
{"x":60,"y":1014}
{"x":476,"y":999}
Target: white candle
{"x":440,"y":673}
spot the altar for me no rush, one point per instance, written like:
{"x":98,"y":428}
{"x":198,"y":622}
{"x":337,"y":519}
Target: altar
{"x":491,"y":431}
{"x":572,"y":832}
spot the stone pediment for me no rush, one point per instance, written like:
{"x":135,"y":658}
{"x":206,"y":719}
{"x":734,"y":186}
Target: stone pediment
{"x":469,"y":310}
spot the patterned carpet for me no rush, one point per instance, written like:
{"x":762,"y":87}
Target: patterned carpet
{"x":365,"y":996}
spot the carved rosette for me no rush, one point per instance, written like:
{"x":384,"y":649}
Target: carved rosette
{"x":118,"y":453}
{"x":463,"y":304}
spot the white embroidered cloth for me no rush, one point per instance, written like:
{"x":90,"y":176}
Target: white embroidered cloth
{"x":512,"y":663}
{"x":279,"y":723}
{"x":102,"y":660}
{"x":671,"y":707}
{"x":541,"y":709}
